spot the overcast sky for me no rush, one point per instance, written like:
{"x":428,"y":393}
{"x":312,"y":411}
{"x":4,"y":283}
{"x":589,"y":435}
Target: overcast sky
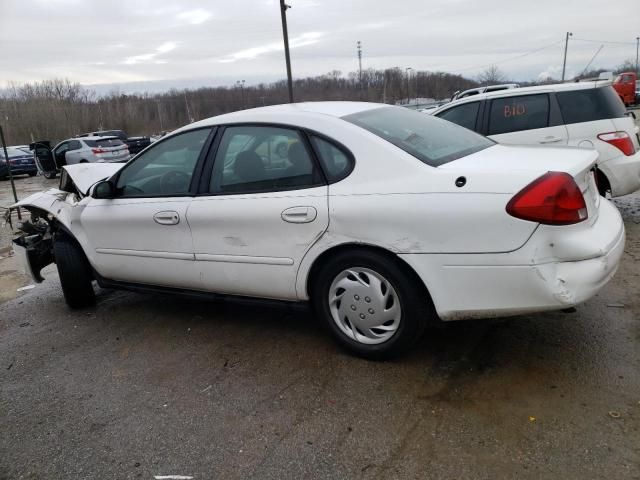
{"x":188,"y":43}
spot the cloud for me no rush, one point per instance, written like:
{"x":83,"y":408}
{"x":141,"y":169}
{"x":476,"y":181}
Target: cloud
{"x":308,"y":38}
{"x":195,"y":17}
{"x":149,"y":57}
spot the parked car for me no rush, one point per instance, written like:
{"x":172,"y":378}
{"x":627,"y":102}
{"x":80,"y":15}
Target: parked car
{"x":625,"y":85}
{"x":135,"y":144}
{"x":20,"y":161}
{"x":588,"y":115}
{"x":383,"y":218}
{"x":487,"y":88}
{"x":90,"y":149}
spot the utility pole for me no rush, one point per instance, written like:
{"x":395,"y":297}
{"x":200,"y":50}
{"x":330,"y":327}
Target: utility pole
{"x":189,"y":117}
{"x":637,"y":45}
{"x":159,"y":115}
{"x":564,"y":62}
{"x":407,"y":70}
{"x":6,"y":159}
{"x":240,"y":83}
{"x":359,"y":44}
{"x":285,"y":34}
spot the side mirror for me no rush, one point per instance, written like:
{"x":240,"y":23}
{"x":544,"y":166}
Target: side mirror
{"x":104,"y":189}
{"x":632,"y":114}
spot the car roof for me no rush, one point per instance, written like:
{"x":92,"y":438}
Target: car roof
{"x":273,"y":112}
{"x":512,"y":92}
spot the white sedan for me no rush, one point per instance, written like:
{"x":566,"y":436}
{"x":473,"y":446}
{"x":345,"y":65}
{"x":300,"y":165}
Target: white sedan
{"x":381,"y":217}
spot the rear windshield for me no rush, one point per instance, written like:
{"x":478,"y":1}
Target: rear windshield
{"x":15,"y":152}
{"x":590,"y":104}
{"x":107,"y":142}
{"x":429,"y":139}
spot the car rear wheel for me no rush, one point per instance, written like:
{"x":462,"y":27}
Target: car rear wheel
{"x":371,"y":304}
{"x":75,"y":273}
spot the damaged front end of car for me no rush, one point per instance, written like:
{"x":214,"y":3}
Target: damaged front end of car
{"x":53,"y":213}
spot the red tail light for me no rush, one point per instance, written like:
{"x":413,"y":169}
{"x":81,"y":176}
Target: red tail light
{"x":621,"y":140}
{"x":552,"y":199}
{"x":99,"y":150}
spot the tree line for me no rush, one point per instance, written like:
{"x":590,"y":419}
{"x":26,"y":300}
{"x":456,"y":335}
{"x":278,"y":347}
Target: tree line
{"x":58,"y":109}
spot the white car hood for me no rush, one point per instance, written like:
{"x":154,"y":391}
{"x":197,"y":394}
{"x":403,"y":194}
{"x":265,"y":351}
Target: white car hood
{"x":84,"y":175}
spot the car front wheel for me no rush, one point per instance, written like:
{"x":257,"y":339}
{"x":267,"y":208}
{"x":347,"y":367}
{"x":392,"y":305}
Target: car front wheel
{"x":371,"y":304}
{"x":75,"y":273}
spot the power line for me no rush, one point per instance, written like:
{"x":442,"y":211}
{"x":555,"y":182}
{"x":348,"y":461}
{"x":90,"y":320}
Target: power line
{"x":531,"y":52}
{"x":603,"y":41}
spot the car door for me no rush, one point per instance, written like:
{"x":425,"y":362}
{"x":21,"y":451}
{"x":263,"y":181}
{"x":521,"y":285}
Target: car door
{"x":465,"y":115}
{"x":531,"y":119}
{"x":259,"y":213}
{"x":142,"y":234}
{"x":74,"y":152}
{"x":59,"y":154}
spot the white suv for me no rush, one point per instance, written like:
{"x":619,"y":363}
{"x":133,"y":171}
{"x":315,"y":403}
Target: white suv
{"x":91,"y":149}
{"x":587,"y":115}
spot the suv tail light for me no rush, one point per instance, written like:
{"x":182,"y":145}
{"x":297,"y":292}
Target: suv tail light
{"x":621,"y":140}
{"x":552,"y":199}
{"x":99,"y":150}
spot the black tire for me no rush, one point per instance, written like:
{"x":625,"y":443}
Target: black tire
{"x":75,"y":273}
{"x":50,"y":175}
{"x":416,"y":306}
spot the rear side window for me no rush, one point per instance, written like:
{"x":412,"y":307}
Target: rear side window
{"x":514,"y":114}
{"x":337,"y":163}
{"x":257,"y":158}
{"x":464,"y":115}
{"x":590,"y":104}
{"x":426,"y":137}
{"x":107,"y":142}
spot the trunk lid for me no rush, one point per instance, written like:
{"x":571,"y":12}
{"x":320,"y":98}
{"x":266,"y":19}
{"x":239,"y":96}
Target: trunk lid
{"x":517,"y":166}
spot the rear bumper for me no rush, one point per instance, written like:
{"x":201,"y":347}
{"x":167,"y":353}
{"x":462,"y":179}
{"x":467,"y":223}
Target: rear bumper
{"x":531,"y":279}
{"x":17,"y":169}
{"x":623,"y":173}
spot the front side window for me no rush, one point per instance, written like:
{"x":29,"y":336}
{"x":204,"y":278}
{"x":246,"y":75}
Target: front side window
{"x":515,"y":114}
{"x":464,"y":115}
{"x":164,"y":169}
{"x":428,"y":138}
{"x":260,"y":159}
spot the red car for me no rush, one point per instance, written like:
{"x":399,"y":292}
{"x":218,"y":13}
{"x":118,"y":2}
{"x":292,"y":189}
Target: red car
{"x":625,"y":85}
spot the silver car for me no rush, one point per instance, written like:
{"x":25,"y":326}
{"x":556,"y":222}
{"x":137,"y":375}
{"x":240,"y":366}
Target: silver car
{"x":91,"y":149}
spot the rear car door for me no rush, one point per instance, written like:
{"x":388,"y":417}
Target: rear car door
{"x":531,"y":119}
{"x":263,"y":207}
{"x":142,"y":235}
{"x":74,"y":153}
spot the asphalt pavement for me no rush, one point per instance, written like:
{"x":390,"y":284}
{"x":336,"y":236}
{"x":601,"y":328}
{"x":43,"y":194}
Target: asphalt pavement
{"x":151,"y":385}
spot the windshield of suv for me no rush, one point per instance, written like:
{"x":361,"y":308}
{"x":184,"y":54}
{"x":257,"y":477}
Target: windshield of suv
{"x":429,"y":139}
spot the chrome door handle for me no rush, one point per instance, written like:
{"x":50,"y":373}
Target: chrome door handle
{"x":167,"y":217}
{"x":551,"y":140}
{"x":299,"y":214}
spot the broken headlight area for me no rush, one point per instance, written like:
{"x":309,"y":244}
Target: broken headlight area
{"x":35,"y":244}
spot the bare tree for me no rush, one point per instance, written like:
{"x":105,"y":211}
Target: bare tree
{"x":492,"y":75}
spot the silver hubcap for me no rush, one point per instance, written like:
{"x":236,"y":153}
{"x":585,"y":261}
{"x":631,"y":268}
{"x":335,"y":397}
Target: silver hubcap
{"x":364,"y":305}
